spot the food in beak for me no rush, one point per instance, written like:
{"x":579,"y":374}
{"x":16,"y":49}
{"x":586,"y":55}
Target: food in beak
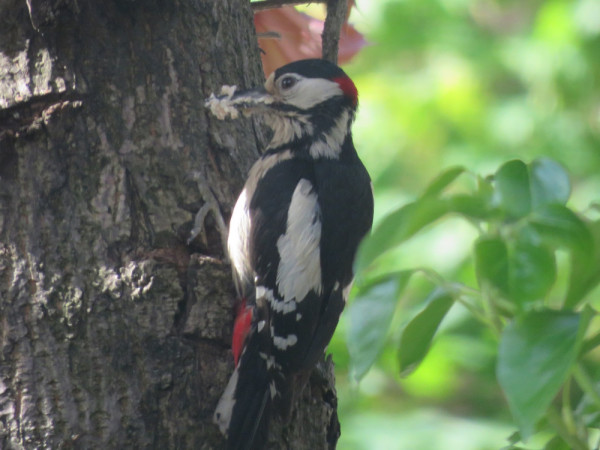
{"x":230,"y":101}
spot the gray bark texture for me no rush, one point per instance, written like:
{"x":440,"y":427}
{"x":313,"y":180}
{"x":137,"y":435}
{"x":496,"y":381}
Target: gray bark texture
{"x":114,"y":331}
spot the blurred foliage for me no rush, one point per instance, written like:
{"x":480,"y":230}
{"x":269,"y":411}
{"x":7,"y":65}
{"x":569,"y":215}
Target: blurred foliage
{"x":469,"y":275}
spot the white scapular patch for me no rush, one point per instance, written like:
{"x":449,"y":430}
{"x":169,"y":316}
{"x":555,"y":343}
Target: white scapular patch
{"x":329,"y":144}
{"x":238,"y":245}
{"x":222,"y":416}
{"x":298,"y":317}
{"x":283,"y":343}
{"x":299,"y":269}
{"x":272,"y":389}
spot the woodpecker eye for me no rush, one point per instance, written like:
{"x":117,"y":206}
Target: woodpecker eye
{"x":288,"y":82}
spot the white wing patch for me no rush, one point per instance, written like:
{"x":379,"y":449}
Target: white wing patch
{"x":299,"y":269}
{"x":280,"y":306}
{"x":270,"y":361}
{"x":283,"y":343}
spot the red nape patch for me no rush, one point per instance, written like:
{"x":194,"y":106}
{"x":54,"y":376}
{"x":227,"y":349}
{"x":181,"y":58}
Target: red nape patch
{"x":348,"y":88}
{"x":241,"y":327}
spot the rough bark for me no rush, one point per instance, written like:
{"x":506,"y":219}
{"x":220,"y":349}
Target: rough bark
{"x":114,"y":331}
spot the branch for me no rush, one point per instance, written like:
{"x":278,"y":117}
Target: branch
{"x":336,"y":15}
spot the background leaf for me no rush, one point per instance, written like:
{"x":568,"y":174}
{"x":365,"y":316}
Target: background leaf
{"x":549,"y":183}
{"x":491,"y":263}
{"x":585,"y":272}
{"x":464,"y":84}
{"x":470,"y":206}
{"x":418,"y":333}
{"x":536,"y":353}
{"x":560,"y":227}
{"x":442,"y":181}
{"x":512,"y":189}
{"x":397,"y":227}
{"x":370,"y":314}
{"x":532,"y":272}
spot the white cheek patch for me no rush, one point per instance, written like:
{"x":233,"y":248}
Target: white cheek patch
{"x":270,"y":84}
{"x":310,"y":91}
{"x":299,"y":269}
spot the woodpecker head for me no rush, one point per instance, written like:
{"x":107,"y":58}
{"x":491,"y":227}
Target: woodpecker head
{"x":310,"y":101}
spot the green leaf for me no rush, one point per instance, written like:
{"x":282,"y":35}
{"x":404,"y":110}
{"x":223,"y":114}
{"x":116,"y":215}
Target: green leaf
{"x":556,"y":443}
{"x":418,"y":333}
{"x":536,"y":353}
{"x":485,"y":188}
{"x":491,"y":263}
{"x":560,"y":227}
{"x":585,"y":271}
{"x":532,"y":272}
{"x":397,"y":227}
{"x":512,"y":189}
{"x":470,"y":206}
{"x":588,"y":410}
{"x":370,"y":316}
{"x":442,"y":181}
{"x":549,"y":183}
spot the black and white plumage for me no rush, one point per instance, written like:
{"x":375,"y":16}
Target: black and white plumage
{"x":293,"y":236}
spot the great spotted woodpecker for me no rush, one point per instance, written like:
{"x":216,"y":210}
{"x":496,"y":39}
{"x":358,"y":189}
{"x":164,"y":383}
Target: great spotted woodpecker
{"x":293,"y":236}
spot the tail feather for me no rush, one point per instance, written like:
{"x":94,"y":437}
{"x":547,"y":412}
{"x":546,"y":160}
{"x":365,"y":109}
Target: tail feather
{"x":244,"y":410}
{"x":249,"y":428}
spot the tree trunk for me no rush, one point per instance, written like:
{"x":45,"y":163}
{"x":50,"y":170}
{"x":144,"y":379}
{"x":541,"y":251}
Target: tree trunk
{"x":114,"y":331}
